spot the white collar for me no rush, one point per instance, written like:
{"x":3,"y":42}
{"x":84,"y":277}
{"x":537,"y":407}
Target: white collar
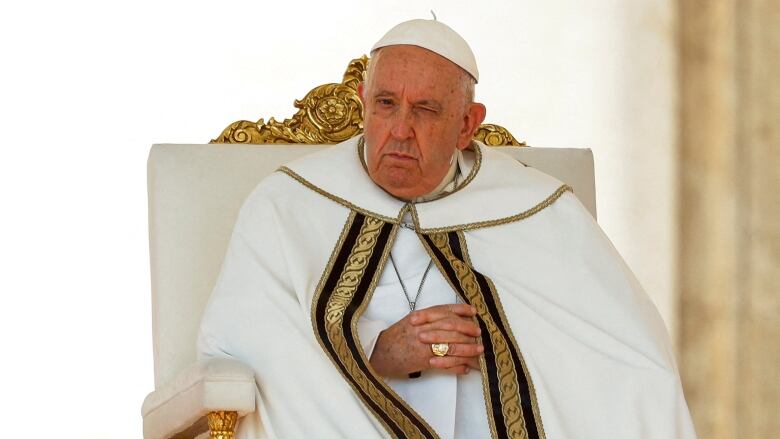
{"x":494,"y":189}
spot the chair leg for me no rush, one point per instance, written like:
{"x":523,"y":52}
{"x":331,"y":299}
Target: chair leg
{"x":222,"y":425}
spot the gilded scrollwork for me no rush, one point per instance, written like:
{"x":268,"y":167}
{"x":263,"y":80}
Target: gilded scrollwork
{"x":331,"y":113}
{"x":222,"y":424}
{"x":496,"y":135}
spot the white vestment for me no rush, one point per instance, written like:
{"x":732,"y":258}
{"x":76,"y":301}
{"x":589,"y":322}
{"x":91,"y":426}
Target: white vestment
{"x":573,"y":347}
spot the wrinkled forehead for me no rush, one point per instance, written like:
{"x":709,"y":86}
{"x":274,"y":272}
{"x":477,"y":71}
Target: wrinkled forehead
{"x":412,"y":66}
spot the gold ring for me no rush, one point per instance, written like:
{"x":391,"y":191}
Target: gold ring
{"x":440,"y":349}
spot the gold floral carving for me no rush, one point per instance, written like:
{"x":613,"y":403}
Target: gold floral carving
{"x":496,"y":135}
{"x":331,"y":113}
{"x":222,"y":424}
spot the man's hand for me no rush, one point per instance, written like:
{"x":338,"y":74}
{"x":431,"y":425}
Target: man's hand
{"x":405,"y":347}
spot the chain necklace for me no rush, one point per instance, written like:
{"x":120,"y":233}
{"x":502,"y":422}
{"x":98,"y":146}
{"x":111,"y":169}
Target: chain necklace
{"x":412,"y":303}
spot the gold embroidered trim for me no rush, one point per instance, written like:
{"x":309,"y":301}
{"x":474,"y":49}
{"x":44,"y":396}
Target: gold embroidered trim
{"x":482,"y":365}
{"x":507,"y":375}
{"x":339,"y":200}
{"x":370,"y":293}
{"x":361,"y":310}
{"x":496,"y":222}
{"x":472,"y":173}
{"x":512,"y":338}
{"x":413,"y":210}
{"x":329,"y":267}
{"x":510,"y":388}
{"x":343,"y":293}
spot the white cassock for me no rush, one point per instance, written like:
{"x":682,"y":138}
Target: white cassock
{"x":453,"y":406}
{"x":573,"y":347}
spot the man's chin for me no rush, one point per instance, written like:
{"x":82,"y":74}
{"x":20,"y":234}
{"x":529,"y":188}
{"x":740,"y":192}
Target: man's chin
{"x":400,"y":188}
{"x":404,"y":192}
{"x":400,"y":183}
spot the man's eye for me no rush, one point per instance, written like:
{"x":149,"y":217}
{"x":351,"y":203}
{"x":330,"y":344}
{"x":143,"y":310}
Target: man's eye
{"x":384,"y":102}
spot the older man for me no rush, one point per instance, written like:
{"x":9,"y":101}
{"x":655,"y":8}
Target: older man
{"x":413,"y":283}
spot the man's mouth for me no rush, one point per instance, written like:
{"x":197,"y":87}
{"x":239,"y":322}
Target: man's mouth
{"x":400,"y":156}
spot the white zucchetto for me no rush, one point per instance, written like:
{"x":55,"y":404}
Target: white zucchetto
{"x":434,"y":36}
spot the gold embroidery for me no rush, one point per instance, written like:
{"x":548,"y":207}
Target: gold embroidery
{"x":496,"y":222}
{"x":370,"y":293}
{"x":343,"y":202}
{"x":469,"y":226}
{"x":509,"y":388}
{"x":512,"y":339}
{"x":337,"y":303}
{"x":482,"y":365}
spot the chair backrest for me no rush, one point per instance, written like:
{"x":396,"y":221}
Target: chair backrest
{"x":195,"y":193}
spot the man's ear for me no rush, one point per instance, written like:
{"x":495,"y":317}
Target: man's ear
{"x":360,"y":89}
{"x":475,"y":115}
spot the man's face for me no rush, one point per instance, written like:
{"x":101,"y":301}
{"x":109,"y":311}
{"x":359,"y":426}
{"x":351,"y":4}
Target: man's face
{"x":416,"y":116}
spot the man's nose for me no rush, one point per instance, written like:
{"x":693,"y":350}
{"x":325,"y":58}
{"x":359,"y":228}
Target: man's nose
{"x":402,"y":124}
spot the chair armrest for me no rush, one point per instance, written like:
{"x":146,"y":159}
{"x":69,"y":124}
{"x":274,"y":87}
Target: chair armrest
{"x":216,"y":384}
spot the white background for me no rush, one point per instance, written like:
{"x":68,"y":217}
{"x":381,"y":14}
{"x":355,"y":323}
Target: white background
{"x":87,"y":86}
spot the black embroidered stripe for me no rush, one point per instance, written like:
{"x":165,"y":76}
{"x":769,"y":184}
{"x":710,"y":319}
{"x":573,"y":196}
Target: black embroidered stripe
{"x":360,"y":295}
{"x":489,"y":299}
{"x":352,"y":239}
{"x":490,"y":361}
{"x":525,"y":392}
{"x":489,"y":296}
{"x":330,"y":284}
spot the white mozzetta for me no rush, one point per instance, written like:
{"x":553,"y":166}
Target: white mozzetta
{"x":593,"y":344}
{"x":195,"y":193}
{"x":210,"y":385}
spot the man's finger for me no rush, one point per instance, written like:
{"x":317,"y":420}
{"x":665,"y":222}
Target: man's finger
{"x":447,"y":362}
{"x":454,"y":324}
{"x":458,"y":370}
{"x":439,"y":336}
{"x":463,"y":357}
{"x":438,"y":312}
{"x":465,"y":350}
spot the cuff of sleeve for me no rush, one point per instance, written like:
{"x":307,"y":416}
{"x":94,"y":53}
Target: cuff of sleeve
{"x":369,"y":332}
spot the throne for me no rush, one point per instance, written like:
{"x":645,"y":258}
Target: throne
{"x":195,"y":193}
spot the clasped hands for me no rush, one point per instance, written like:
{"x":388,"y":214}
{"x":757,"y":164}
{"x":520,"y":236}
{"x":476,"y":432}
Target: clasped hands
{"x":405,"y":347}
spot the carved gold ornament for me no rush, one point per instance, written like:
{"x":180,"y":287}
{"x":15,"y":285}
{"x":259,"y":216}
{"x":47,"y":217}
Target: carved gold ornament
{"x":332,"y":113}
{"x":222,"y":424}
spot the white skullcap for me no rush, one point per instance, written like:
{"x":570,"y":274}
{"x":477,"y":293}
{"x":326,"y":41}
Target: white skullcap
{"x":434,"y":36}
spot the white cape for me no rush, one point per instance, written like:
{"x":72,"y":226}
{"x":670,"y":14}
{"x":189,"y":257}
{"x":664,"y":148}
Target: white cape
{"x":574,"y":348}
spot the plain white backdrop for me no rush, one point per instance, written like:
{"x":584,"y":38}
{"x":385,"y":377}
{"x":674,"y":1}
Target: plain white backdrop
{"x":87,"y":86}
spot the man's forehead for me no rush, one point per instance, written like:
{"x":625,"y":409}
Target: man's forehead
{"x":406,"y":68}
{"x":411,"y":53}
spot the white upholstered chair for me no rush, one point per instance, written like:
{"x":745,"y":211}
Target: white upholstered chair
{"x":195,"y":192}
